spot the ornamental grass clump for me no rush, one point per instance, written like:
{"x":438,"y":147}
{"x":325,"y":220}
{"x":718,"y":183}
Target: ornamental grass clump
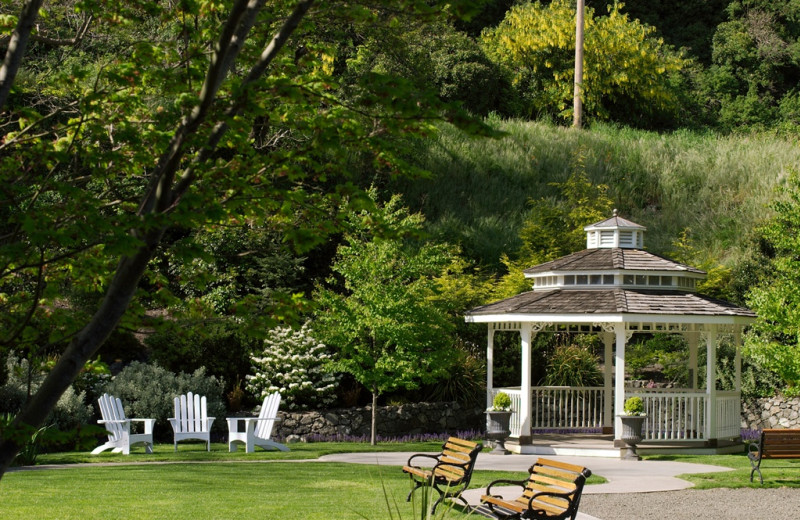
{"x":293,"y":363}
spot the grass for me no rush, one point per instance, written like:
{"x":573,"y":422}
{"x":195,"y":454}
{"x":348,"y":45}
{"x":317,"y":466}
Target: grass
{"x":777,"y":473}
{"x":218,"y":485}
{"x":716,"y":186}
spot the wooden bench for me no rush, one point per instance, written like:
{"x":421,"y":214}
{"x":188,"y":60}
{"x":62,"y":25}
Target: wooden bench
{"x":553,"y":491}
{"x":773,"y":444}
{"x":448,"y":473}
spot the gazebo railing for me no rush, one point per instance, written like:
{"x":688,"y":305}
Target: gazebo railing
{"x":672,"y":414}
{"x":729,"y":415}
{"x":576,"y":407}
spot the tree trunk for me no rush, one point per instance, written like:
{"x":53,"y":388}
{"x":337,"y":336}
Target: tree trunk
{"x":82,"y":348}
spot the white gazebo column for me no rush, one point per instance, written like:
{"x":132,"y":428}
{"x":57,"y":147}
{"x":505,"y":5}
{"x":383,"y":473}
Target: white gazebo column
{"x":490,"y":367}
{"x":525,"y":409}
{"x":692,"y":339}
{"x":619,"y":370}
{"x":608,"y":382}
{"x":711,"y":383}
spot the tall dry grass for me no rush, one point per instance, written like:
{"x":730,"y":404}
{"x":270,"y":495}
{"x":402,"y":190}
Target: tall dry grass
{"x":716,"y":187}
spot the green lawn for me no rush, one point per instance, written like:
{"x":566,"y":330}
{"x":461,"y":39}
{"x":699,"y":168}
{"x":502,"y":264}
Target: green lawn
{"x":777,"y":473}
{"x":219,"y":485}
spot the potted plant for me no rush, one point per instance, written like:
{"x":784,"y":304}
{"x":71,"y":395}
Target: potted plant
{"x":632,"y":422}
{"x":497,"y":425}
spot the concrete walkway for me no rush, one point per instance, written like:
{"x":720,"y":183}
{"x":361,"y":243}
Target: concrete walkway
{"x":622,"y":476}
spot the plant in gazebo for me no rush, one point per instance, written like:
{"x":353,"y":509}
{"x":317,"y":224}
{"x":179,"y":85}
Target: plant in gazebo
{"x":632,"y":418}
{"x":499,"y":418}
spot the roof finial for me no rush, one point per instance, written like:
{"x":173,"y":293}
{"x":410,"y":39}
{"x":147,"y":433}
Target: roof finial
{"x":614,"y":213}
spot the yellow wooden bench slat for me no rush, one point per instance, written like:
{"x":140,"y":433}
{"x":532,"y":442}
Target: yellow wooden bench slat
{"x":449,"y":472}
{"x":562,"y":482}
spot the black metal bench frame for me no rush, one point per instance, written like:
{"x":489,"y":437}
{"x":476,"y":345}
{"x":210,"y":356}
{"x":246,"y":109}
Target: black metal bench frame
{"x":449,"y":472}
{"x":773,"y":444}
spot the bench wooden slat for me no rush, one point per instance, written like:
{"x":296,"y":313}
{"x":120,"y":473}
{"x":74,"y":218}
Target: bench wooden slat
{"x":451,"y":469}
{"x":545,"y":476}
{"x":773,"y":444}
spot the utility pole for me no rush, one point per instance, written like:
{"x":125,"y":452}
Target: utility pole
{"x":577,"y":107}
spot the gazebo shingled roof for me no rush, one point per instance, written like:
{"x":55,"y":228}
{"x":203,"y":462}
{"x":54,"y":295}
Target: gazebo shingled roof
{"x":612,"y":259}
{"x":612,"y":301}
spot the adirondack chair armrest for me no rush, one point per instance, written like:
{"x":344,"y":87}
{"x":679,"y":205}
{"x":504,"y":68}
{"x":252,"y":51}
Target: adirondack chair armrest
{"x":148,"y":424}
{"x":503,"y":482}
{"x":250,"y":422}
{"x":434,"y":458}
{"x":114,"y":421}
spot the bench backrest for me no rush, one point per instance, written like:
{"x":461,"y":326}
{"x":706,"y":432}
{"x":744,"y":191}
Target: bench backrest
{"x":457,"y":460}
{"x":555,"y":477}
{"x":190,"y":410}
{"x":780,"y":444}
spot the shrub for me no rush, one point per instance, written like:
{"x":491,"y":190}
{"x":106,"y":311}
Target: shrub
{"x":634,"y":406}
{"x":501,"y":402}
{"x":293,"y":363}
{"x":573,"y":365}
{"x":147,"y":391}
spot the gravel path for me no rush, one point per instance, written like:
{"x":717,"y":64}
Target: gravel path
{"x":713,"y":504}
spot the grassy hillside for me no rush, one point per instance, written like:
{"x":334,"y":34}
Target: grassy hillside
{"x":717,"y":187}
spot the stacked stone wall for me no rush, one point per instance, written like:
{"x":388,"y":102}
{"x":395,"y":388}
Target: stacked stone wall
{"x":392,"y":421}
{"x":770,"y":412}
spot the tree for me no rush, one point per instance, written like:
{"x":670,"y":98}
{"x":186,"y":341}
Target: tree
{"x":166,"y":116}
{"x":626,"y":69}
{"x":383,"y":320}
{"x":774,"y":339}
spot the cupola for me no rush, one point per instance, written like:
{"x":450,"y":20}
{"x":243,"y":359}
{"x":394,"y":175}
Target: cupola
{"x":615,"y":232}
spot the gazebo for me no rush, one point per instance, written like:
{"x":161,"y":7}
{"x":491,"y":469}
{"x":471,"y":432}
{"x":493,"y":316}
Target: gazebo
{"x":615,"y":289}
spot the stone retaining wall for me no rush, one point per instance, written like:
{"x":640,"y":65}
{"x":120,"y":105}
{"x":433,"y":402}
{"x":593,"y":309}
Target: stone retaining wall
{"x":771,"y":412}
{"x":392,"y":421}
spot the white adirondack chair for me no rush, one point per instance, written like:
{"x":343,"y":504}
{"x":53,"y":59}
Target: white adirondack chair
{"x":191,"y":420}
{"x":118,"y":426}
{"x":257,"y":430}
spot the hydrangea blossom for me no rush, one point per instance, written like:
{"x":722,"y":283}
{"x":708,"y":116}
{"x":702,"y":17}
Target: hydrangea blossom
{"x":292,"y":363}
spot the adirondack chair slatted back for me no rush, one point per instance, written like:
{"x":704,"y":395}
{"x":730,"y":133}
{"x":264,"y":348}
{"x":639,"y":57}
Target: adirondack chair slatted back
{"x":118,"y":427}
{"x":190,"y":410}
{"x":111,"y":411}
{"x":269,"y":410}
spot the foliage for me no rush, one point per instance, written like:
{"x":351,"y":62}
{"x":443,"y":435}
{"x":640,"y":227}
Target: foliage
{"x":658,"y":355}
{"x":752,"y":80}
{"x":31,"y":441}
{"x":626,"y":68}
{"x":572,"y":365}
{"x":434,"y":56}
{"x":147,"y":391}
{"x":160,"y":118}
{"x":501,"y":402}
{"x":773,"y":339}
{"x":634,"y":406}
{"x":378,"y":313}
{"x":188,"y":345}
{"x":465,"y":380}
{"x":293,"y":363}
{"x":554,"y":228}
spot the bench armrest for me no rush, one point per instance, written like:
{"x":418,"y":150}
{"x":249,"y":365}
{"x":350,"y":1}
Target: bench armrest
{"x":754,"y":450}
{"x":520,"y":483}
{"x":435,"y":458}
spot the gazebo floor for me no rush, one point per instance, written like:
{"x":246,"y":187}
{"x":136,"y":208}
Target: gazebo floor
{"x":599,"y":445}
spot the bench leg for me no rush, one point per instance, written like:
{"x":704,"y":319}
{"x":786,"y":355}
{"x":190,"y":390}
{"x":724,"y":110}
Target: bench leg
{"x":756,"y":466}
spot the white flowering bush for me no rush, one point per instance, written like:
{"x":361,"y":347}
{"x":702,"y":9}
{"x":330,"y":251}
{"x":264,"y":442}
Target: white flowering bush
{"x":292,"y":363}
